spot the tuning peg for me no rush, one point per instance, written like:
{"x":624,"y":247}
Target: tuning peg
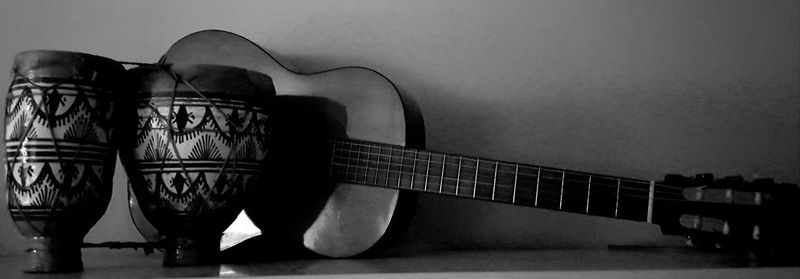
{"x":703,"y":179}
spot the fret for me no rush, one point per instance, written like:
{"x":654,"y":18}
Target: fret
{"x":333,"y":160}
{"x":384,"y":171}
{"x":538,"y":175}
{"x":380,"y":168}
{"x":633,"y":200}
{"x":505,"y":182}
{"x":339,"y":165}
{"x":561,"y":195}
{"x":347,"y":163}
{"x":485,"y":182}
{"x":466,"y":176}
{"x":356,"y":167}
{"x":650,"y":198}
{"x":616,"y":203}
{"x":602,"y":193}
{"x":458,"y":174}
{"x":406,"y":169}
{"x":441,"y":177}
{"x":516,"y":174}
{"x":354,"y":157}
{"x":414,"y":168}
{"x":527,"y":178}
{"x":395,"y":159}
{"x":436,"y":169}
{"x":353,"y":163}
{"x":588,"y":193}
{"x":494,"y":182}
{"x":450,"y":176}
{"x":427,"y":172}
{"x":372,"y":165}
{"x":549,"y":192}
{"x":361,"y":172}
{"x":575,"y":191}
{"x":375,"y":164}
{"x":420,"y":170}
{"x":475,"y":184}
{"x":670,"y":197}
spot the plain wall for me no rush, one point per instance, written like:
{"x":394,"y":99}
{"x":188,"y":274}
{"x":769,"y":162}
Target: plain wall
{"x":630,"y":88}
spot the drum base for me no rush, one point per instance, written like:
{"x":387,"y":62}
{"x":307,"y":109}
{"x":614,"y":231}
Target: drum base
{"x":48,"y":254}
{"x":189,"y":251}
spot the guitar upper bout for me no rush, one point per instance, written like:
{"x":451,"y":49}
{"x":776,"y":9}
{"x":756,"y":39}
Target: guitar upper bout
{"x":298,"y":202}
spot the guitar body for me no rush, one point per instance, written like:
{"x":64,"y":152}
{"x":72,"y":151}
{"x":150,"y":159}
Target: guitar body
{"x":298,"y":202}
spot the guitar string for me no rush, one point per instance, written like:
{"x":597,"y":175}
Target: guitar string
{"x":521,"y":192}
{"x":533,"y":168}
{"x":585,"y":182}
{"x":581,"y":183}
{"x":402,"y":165}
{"x":500,"y":185}
{"x":360,"y":152}
{"x":379,"y":168}
{"x":452,"y":191}
{"x":506,"y":188}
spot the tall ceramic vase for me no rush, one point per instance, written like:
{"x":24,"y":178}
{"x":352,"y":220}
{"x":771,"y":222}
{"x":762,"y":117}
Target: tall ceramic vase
{"x":60,"y":121}
{"x":200,"y":147}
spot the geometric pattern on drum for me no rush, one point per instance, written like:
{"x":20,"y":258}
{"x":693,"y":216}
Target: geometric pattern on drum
{"x":206,"y":139}
{"x":75,"y":114}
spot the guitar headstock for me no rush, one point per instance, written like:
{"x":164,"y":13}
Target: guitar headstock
{"x":730,"y":212}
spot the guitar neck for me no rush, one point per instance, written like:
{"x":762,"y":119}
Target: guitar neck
{"x":397,"y":167}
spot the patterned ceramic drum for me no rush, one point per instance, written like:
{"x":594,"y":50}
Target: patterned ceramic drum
{"x":200,"y":146}
{"x":60,"y":121}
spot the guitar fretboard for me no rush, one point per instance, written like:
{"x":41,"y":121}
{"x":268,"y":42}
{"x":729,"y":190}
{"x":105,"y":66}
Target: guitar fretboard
{"x":396,"y":167}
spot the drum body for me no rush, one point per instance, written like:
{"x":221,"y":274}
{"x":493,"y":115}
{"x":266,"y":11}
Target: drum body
{"x":200,"y":145}
{"x":61,"y":114}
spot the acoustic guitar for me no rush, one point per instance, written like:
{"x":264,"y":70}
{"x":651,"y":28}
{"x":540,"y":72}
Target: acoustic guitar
{"x":348,"y":159}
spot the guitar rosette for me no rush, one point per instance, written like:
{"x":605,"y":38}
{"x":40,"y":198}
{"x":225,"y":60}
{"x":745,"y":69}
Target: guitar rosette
{"x":199,"y":147}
